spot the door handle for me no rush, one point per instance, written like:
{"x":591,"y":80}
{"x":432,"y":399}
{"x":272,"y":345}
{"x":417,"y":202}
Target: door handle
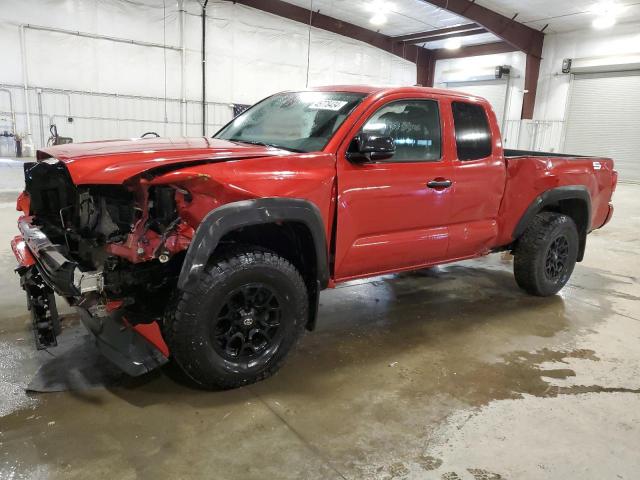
{"x":439,"y":184}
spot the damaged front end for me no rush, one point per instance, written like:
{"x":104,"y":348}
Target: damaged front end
{"x":112,"y":251}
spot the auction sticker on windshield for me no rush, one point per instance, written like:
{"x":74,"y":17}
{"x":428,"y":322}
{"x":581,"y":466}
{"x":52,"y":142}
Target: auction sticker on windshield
{"x":327,"y":105}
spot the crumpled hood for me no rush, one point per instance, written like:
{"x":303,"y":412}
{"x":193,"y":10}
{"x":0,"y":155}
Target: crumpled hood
{"x":115,"y":161}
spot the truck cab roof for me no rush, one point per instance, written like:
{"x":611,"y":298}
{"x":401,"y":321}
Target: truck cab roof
{"x":389,"y":90}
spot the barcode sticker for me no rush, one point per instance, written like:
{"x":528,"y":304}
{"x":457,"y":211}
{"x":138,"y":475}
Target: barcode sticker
{"x":334,"y":105}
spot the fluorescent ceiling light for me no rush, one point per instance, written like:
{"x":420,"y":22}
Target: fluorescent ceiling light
{"x":453,"y":43}
{"x":606,"y":12}
{"x":378,"y":19}
{"x":380,"y":9}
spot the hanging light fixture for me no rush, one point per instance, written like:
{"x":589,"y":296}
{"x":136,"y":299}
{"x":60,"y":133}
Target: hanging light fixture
{"x":379,"y":9}
{"x":606,"y":13}
{"x":378,"y":19}
{"x":453,"y":43}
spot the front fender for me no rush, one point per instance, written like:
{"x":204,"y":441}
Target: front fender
{"x":244,"y":213}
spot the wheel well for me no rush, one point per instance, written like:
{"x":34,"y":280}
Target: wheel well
{"x":292,"y":241}
{"x":578,"y":210}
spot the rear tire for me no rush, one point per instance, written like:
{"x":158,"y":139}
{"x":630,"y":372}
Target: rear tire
{"x":546,"y":254}
{"x":248,"y":310}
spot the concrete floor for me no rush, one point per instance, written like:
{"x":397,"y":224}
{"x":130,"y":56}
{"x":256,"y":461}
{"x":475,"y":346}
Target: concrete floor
{"x":451,"y":373}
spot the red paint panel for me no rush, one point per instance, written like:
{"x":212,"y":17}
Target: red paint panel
{"x":113,"y":305}
{"x":308,"y":176}
{"x":472,"y":238}
{"x":478,"y":187}
{"x":23,"y":203}
{"x":608,"y":217}
{"x":528,"y":177}
{"x":151,"y":332}
{"x":387,"y":217}
{"x":113,"y":162}
{"x":22,"y":252}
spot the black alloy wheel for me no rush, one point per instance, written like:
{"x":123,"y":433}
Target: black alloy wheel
{"x":557,"y":256}
{"x":248,"y":322}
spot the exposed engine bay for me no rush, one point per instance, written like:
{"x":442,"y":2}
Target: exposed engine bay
{"x":108,"y":249}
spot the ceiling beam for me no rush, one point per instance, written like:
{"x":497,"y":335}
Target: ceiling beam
{"x":522,"y":37}
{"x":440,"y":31}
{"x":330,"y":24}
{"x":435,"y":38}
{"x":514,"y":34}
{"x":474,"y":50}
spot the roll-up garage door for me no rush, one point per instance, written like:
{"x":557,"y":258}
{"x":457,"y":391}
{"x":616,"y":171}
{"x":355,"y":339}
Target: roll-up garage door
{"x":604,"y":119}
{"x":495,"y":91}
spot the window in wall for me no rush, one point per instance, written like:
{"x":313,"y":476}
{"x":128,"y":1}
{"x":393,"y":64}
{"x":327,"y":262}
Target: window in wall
{"x":473,"y":136}
{"x":414,"y":126}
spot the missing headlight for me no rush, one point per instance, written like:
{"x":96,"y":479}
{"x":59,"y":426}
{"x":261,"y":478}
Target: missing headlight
{"x":162,"y":210}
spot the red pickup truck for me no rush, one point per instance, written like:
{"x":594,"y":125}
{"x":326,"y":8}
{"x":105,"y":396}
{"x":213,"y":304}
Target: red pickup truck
{"x":213,"y":251}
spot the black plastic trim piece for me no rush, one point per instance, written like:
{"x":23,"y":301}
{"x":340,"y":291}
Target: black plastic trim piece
{"x":122,"y":346}
{"x":236,"y":215}
{"x":552,"y":197}
{"x":531,"y":153}
{"x":314,"y":306}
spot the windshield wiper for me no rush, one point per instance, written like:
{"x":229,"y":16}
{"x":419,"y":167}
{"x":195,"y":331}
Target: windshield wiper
{"x":264,"y":144}
{"x":252,"y":142}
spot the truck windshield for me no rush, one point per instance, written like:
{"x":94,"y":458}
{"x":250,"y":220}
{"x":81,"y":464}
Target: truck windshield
{"x":297,"y":121}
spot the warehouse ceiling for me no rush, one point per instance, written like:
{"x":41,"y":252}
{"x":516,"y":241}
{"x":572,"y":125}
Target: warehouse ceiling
{"x":404,"y":17}
{"x":561,"y":15}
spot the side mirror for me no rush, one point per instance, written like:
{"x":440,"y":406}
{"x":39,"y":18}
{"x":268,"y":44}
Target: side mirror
{"x":366,"y":147}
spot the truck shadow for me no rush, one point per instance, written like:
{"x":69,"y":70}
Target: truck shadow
{"x":441,"y":319}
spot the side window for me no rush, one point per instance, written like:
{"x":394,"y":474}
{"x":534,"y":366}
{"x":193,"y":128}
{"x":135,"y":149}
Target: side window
{"x":414,"y":126}
{"x":473,"y":136}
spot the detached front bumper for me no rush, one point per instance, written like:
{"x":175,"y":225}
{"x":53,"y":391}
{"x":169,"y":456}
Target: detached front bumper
{"x":61,"y":274}
{"x":134,"y":348}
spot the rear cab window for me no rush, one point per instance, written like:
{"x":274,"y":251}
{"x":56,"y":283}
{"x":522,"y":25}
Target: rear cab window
{"x":473,"y":135}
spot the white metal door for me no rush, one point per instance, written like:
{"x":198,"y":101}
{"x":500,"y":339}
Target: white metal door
{"x":495,"y":91}
{"x":603,"y":118}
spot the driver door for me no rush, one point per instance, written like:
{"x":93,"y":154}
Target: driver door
{"x":392,"y":214}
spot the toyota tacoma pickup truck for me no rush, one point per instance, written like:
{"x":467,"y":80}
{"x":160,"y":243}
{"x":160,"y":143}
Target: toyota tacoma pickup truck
{"x":212,"y":252}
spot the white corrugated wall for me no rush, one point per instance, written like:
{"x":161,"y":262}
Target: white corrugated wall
{"x":603,"y":119}
{"x":115,"y":89}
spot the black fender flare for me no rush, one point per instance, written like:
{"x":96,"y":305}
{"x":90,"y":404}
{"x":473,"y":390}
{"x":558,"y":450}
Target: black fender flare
{"x":236,"y":215}
{"x":553,"y":197}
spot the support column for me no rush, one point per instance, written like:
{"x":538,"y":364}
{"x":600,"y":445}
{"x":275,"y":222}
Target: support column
{"x":425,"y":67}
{"x":530,"y":85}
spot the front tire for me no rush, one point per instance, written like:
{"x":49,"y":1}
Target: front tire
{"x":546,"y":254}
{"x":248,"y":310}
